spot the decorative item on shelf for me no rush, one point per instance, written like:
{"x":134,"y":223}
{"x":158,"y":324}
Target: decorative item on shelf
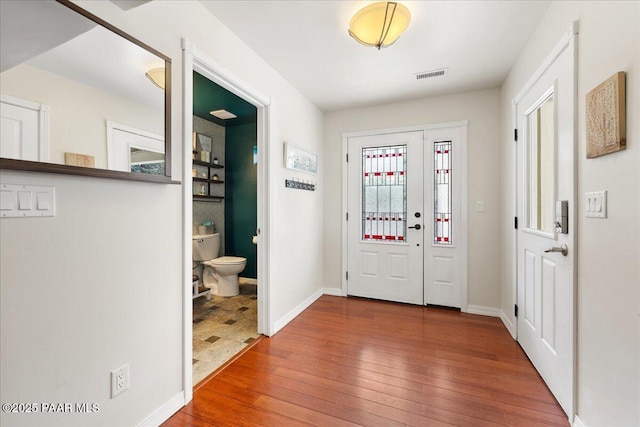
{"x":215,"y":177}
{"x":194,"y":173}
{"x":298,"y":185}
{"x":203,"y":189}
{"x":203,"y":175}
{"x":205,"y":156}
{"x":215,"y":160}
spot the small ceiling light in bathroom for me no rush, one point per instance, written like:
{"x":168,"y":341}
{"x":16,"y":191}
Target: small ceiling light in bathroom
{"x":223,"y":114}
{"x":156,"y":75}
{"x":379,"y":24}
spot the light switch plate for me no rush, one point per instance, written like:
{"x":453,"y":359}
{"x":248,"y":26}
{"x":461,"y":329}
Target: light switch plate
{"x":24,"y":201}
{"x":595,"y":204}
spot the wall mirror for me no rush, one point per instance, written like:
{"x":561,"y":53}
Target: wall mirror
{"x":79,"y":96}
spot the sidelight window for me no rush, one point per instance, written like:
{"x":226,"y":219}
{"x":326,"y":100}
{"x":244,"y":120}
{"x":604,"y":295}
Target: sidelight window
{"x":442,"y":193}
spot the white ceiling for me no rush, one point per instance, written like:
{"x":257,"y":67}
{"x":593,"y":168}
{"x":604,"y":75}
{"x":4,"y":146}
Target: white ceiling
{"x":308,"y":44}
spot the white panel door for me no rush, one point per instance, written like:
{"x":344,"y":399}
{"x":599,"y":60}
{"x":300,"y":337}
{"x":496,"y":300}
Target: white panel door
{"x":385,"y":227}
{"x":444,"y":252}
{"x":545,"y":284}
{"x":19,"y":132}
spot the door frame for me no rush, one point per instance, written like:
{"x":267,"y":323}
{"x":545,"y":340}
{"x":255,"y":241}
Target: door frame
{"x":196,"y":60}
{"x":462,"y":124}
{"x":568,"y":42}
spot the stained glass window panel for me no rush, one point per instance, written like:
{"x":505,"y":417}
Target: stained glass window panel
{"x":384,"y":193}
{"x":442,"y":209}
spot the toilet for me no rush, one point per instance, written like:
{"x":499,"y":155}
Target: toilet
{"x":220,"y":273}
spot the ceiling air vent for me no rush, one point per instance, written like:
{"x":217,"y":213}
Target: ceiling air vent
{"x":429,"y":74}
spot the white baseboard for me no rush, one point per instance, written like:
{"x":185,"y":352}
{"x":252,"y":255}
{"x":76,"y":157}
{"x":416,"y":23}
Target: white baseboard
{"x":508,"y":324}
{"x":336,"y":292}
{"x":484,"y":311}
{"x":279,"y":324}
{"x":247,"y":281}
{"x":164,"y":412}
{"x":577,"y":422}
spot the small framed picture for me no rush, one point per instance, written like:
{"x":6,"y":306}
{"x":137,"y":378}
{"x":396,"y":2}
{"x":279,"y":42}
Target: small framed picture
{"x":300,"y":160}
{"x":606,"y":117}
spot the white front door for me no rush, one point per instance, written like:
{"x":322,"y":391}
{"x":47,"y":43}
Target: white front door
{"x":406,"y":227}
{"x":385,"y":195}
{"x":545,"y":285}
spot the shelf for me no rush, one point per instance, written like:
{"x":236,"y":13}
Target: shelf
{"x":210,"y":181}
{"x":207,"y":164}
{"x":205,"y":198}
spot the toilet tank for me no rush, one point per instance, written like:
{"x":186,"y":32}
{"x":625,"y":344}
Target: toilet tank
{"x":206,"y":246}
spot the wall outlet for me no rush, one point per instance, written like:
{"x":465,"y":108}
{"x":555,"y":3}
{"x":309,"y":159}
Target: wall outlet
{"x":119,"y":380}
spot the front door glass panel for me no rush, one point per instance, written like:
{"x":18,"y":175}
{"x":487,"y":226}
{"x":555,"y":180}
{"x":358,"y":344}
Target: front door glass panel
{"x":384,"y":194}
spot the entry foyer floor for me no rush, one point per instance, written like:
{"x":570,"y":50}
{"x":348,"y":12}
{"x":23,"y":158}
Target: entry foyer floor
{"x":350,"y":361}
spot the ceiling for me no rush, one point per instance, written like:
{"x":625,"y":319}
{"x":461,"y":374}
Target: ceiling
{"x":308,"y":44}
{"x":208,"y":96}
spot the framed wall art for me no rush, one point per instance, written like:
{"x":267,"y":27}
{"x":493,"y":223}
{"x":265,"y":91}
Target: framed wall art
{"x":606,"y":117}
{"x":300,"y":160}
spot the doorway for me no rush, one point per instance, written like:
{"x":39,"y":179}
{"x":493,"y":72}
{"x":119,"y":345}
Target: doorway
{"x":546,"y":220}
{"x":405,"y":215}
{"x":196,"y":61}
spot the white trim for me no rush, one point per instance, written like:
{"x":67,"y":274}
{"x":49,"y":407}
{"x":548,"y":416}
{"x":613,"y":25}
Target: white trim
{"x":164,"y":412}
{"x":196,"y":60}
{"x":345,"y":206}
{"x":549,"y":60}
{"x":463,"y":125}
{"x":577,"y":422}
{"x":483,"y":311}
{"x":509,"y":325}
{"x":44,"y":112}
{"x":284,"y":320}
{"x":405,"y":129}
{"x":111,"y":147}
{"x":336,"y":292}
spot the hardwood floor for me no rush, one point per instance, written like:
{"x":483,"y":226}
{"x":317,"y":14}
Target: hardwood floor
{"x":351,"y":361}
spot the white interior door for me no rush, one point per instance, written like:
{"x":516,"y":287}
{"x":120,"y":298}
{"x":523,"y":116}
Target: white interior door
{"x":545,"y":288}
{"x":23,"y":130}
{"x":385,"y":228}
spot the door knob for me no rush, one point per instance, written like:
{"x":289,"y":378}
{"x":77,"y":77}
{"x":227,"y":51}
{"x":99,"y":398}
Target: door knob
{"x":417,"y":226}
{"x":564,"y":249}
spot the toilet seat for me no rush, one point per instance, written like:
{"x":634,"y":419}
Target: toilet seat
{"x":225,"y":260}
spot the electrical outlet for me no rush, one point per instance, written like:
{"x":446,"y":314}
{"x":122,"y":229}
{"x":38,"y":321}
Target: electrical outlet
{"x":119,"y":380}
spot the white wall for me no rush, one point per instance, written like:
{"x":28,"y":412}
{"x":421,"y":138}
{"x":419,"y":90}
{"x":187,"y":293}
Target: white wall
{"x":482,"y":110}
{"x":73,"y":125}
{"x":608,"y":250}
{"x":99,"y":285}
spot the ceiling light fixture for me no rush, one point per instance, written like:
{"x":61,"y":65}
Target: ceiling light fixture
{"x":223,"y":114}
{"x":379,"y":24}
{"x":156,"y":75}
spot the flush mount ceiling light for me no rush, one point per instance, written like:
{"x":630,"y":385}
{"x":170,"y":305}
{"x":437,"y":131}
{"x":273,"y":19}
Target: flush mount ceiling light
{"x":156,"y":75}
{"x":379,"y":24}
{"x":223,"y":114}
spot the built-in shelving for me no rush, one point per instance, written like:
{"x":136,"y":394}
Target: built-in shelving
{"x":208,"y":197}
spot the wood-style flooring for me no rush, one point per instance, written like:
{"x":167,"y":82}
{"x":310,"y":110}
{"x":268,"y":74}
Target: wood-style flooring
{"x":351,"y":361}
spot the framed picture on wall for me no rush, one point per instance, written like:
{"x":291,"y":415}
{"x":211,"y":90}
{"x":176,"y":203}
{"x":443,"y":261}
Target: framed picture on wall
{"x":606,"y":117}
{"x":300,"y":160}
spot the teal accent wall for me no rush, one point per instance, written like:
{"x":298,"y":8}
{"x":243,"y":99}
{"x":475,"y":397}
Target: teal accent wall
{"x":241,"y":195}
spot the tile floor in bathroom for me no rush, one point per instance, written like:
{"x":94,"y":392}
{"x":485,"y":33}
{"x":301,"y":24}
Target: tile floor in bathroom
{"x":221,"y":328}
